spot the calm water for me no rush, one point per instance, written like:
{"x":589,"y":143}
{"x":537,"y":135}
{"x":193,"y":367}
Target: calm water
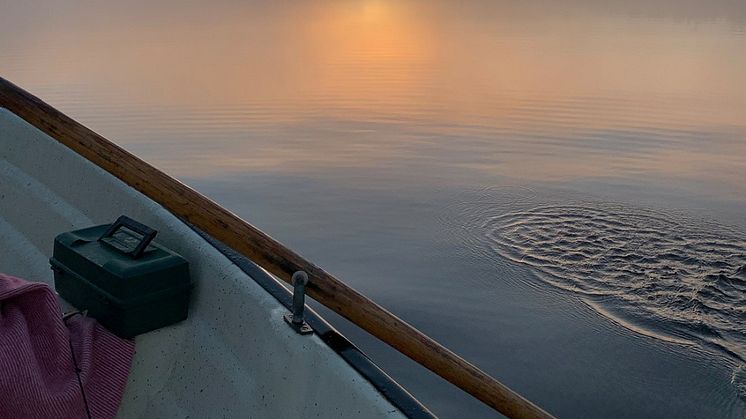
{"x":555,"y":191}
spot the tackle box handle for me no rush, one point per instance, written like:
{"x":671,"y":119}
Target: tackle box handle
{"x":148,"y":234}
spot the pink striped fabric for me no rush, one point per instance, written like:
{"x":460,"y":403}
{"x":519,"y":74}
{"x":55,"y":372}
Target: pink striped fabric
{"x":38,"y":376}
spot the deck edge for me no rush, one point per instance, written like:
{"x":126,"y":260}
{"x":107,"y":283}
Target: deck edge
{"x":392,"y":391}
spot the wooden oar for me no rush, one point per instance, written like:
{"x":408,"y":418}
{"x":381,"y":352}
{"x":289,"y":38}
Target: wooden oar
{"x":227,"y":227}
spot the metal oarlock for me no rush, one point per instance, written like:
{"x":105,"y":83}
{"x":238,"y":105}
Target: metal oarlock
{"x":295,"y":319}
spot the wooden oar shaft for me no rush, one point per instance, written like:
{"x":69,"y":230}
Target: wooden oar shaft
{"x":225,"y":226}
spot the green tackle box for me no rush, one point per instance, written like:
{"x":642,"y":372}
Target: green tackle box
{"x":126,"y":281}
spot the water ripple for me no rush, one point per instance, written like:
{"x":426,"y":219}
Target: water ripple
{"x":676,"y":279}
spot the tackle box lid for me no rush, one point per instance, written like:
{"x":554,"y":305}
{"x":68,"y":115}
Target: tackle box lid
{"x":121,"y":259}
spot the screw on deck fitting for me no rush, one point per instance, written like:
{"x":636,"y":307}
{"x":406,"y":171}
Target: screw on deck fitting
{"x":295,"y":319}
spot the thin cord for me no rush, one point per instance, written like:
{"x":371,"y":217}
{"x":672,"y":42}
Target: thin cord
{"x":77,"y":370}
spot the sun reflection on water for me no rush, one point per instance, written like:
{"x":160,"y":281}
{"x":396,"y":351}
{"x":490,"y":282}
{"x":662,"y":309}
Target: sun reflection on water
{"x":375,"y":83}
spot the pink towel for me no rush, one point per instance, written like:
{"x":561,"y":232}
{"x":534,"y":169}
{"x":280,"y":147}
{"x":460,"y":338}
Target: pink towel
{"x":39,"y":352}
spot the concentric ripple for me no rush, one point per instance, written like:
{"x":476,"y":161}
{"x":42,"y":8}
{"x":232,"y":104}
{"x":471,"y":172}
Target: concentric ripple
{"x":662,"y":275}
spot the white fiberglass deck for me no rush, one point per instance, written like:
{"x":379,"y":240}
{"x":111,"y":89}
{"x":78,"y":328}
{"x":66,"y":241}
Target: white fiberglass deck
{"x":233,"y":357}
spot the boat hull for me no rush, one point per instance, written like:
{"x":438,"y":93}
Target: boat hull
{"x":233,"y":357}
